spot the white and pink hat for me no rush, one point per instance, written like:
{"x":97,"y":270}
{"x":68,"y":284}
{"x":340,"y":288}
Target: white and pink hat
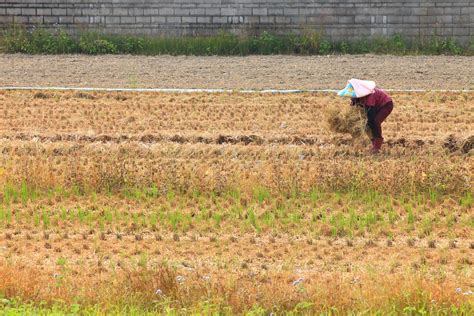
{"x":357,"y":88}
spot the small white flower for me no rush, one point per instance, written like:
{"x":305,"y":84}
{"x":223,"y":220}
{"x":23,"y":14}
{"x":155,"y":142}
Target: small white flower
{"x":206,"y":278}
{"x":458,"y":290}
{"x":4,"y":301}
{"x":180,"y":279}
{"x":468,"y":293}
{"x":297,"y":282}
{"x":158,"y":292}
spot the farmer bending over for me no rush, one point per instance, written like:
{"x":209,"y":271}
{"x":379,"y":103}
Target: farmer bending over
{"x":377,"y":104}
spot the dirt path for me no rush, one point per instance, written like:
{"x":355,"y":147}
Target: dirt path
{"x":253,"y":72}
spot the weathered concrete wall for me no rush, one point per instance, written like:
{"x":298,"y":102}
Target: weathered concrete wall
{"x":337,"y":18}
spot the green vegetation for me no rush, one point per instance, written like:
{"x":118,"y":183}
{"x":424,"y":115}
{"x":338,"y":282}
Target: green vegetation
{"x":207,"y":308}
{"x":40,"y":41}
{"x":317,"y":213}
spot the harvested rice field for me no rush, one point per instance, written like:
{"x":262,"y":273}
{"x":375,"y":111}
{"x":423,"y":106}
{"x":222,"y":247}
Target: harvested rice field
{"x":233,"y":203}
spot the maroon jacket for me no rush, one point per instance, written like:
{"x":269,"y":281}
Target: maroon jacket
{"x":377,"y":99}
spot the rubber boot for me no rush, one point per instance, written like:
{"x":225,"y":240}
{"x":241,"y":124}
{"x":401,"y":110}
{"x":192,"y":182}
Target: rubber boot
{"x":376,"y":145}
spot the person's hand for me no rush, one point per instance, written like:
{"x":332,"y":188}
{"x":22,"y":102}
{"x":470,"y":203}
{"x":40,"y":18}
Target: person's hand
{"x":356,"y":102}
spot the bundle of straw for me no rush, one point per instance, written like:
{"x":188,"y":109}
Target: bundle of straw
{"x":347,"y":120}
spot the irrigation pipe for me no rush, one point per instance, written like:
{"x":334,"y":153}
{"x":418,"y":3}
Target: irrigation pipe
{"x":176,"y":90}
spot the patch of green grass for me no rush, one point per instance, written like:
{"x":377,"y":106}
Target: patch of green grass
{"x":253,"y":220}
{"x":45,"y":217}
{"x":467,"y":200}
{"x":410,"y":216}
{"x":261,"y":194}
{"x":12,"y":307}
{"x":61,"y":261}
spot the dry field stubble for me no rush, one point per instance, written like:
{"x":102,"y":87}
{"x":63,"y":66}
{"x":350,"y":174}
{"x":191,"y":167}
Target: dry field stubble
{"x":229,"y":199}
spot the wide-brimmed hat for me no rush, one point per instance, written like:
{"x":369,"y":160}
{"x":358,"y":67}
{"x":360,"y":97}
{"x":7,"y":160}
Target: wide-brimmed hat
{"x":357,"y":88}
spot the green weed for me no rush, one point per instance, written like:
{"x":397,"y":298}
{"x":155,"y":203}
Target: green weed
{"x":311,"y":42}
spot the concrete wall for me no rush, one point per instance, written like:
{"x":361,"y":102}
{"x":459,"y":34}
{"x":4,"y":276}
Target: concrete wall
{"x":337,"y":18}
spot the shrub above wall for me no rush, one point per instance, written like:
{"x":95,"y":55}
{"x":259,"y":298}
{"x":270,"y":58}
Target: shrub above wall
{"x":40,"y":41}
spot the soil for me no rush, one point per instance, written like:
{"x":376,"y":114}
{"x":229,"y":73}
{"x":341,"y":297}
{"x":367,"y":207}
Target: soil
{"x":252,"y":72}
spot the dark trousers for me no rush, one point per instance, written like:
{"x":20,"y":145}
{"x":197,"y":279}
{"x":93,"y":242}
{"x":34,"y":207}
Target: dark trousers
{"x":375,"y":117}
